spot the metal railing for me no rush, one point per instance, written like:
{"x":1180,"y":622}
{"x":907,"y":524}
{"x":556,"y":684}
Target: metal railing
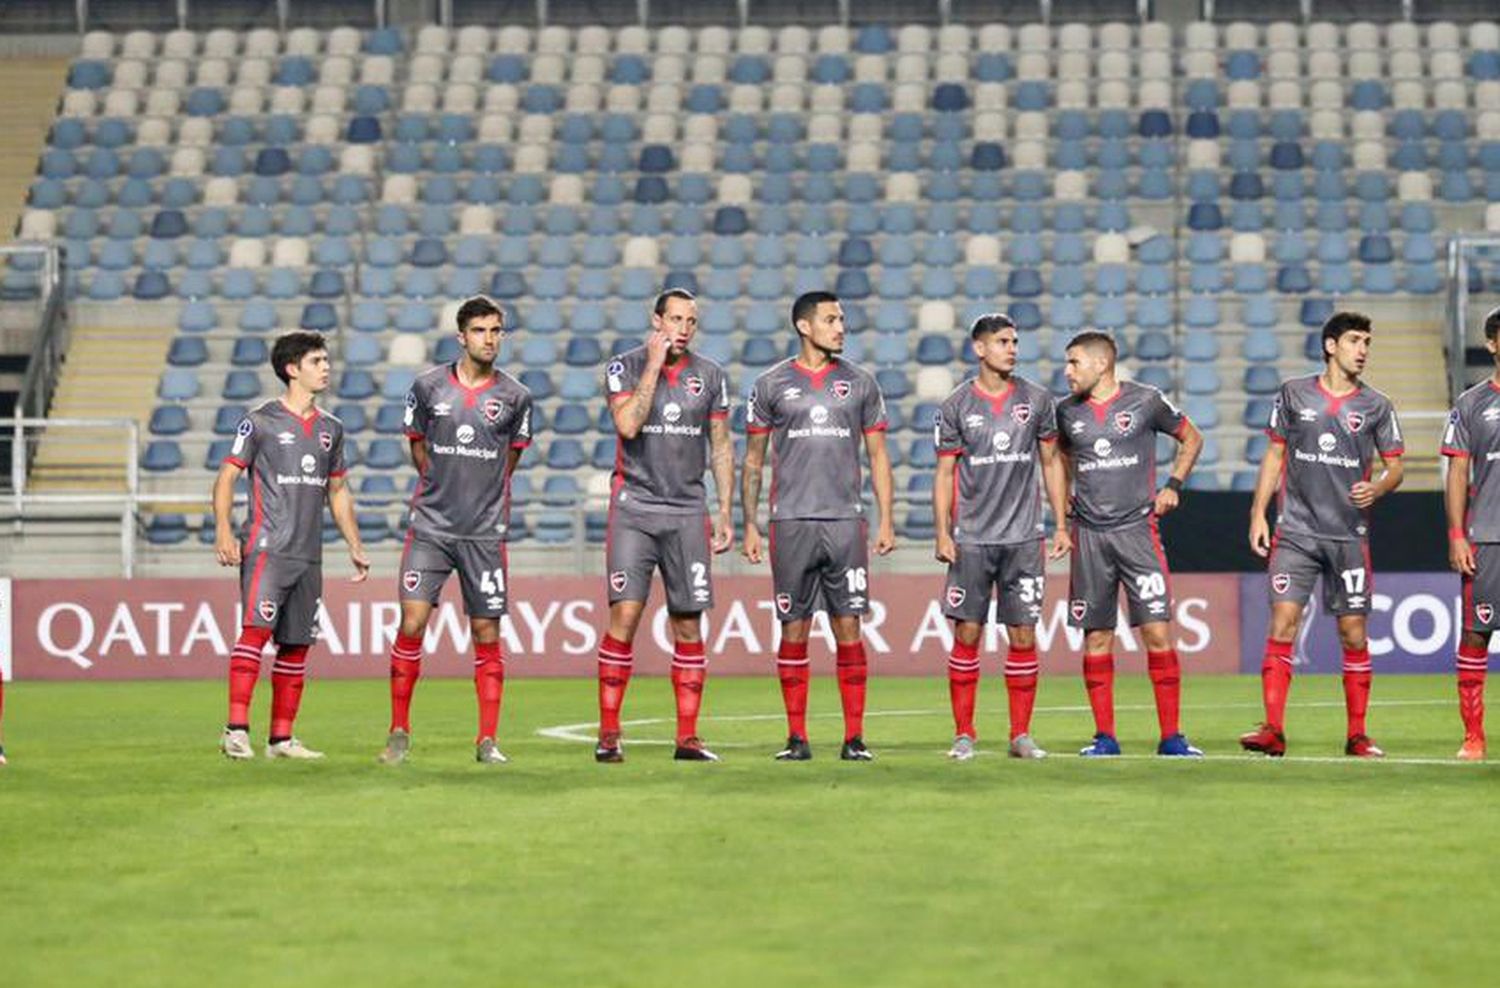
{"x":51,"y":334}
{"x":1460,"y":248}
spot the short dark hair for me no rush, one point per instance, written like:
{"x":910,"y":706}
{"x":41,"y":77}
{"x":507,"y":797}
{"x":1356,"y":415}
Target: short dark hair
{"x":1492,"y":324}
{"x":807,"y":303}
{"x":290,"y":348}
{"x":660,"y":306}
{"x":1340,"y":323}
{"x":477,"y":308}
{"x":990,"y":322}
{"x":1093,"y":339}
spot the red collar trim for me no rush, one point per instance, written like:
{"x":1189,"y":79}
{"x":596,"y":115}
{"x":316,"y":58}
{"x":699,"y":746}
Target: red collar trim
{"x":674,"y":371}
{"x":996,"y":401}
{"x":471,"y":394}
{"x":815,"y":377}
{"x":306,"y":421}
{"x":1101,"y":408}
{"x":1493,"y":386}
{"x":1336,"y":402}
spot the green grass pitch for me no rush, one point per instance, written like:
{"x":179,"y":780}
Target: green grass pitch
{"x":132,"y":853}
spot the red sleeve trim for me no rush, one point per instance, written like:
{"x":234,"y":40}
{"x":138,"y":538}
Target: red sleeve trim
{"x":1456,"y":453}
{"x":621,"y":394}
{"x":336,"y":473}
{"x":416,"y":437}
{"x":1393,"y":451}
{"x":1278,"y":440}
{"x":236,"y":461}
{"x":1182,"y":427}
{"x":756,"y":430}
{"x":1047,"y":439}
{"x":877,"y":428}
{"x":520,"y":445}
{"x":718,"y":415}
{"x":950,"y":452}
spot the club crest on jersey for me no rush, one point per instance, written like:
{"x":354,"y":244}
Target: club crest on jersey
{"x":956,"y":596}
{"x":1021,"y":413}
{"x":1281,"y":582}
{"x":693,"y":384}
{"x":267,"y":610}
{"x":1078,"y":608}
{"x":493,"y":408}
{"x":325,"y":439}
{"x":840,"y":390}
{"x":1484,"y":612}
{"x":1354,"y":420}
{"x":617,"y":580}
{"x":1123,"y":421}
{"x":783,"y":602}
{"x":411,"y":580}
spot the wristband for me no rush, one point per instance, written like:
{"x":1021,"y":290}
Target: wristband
{"x":1174,"y":485}
{"x":1457,"y":533}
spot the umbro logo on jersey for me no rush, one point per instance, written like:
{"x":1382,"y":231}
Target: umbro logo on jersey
{"x":1123,"y":421}
{"x":783,"y":602}
{"x":267,"y":610}
{"x":791,"y":394}
{"x":285,"y":438}
{"x":325,"y":439}
{"x":617,"y":580}
{"x":442,"y":408}
{"x":1281,"y":582}
{"x":974,"y":421}
{"x":1078,"y":608}
{"x":1076,"y":428}
{"x":1354,"y":420}
{"x":411,"y":580}
{"x":1021,"y":413}
{"x":493,"y":408}
{"x":693,"y":384}
{"x":1308,"y":415}
{"x":840,"y":389}
{"x":956,"y":596}
{"x":1491,"y":414}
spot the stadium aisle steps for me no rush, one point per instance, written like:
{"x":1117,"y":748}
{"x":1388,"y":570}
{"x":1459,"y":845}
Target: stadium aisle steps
{"x":1410,"y":367}
{"x":31,"y":87}
{"x":111,"y":372}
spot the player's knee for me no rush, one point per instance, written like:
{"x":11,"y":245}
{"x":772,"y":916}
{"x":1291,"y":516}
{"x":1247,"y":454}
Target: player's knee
{"x":1157,"y":636}
{"x":1022,"y":636}
{"x":486,"y":631}
{"x":687,"y":627}
{"x":796,"y":631}
{"x":845,"y":627}
{"x":968,"y":632}
{"x":1099,"y":641}
{"x":1475,"y":640}
{"x":1352,"y":637}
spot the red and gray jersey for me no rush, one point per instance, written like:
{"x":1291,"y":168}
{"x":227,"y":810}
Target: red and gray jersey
{"x":1473,"y":434}
{"x":817,"y":421}
{"x":997,"y":490}
{"x":661,"y":469}
{"x":290,"y":460}
{"x":469,"y":433}
{"x":1112,"y":446}
{"x":1331,"y":443}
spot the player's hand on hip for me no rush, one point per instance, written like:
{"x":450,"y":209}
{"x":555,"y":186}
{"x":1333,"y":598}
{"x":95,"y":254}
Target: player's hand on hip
{"x":361,"y":563}
{"x":1260,"y":536}
{"x":885,"y":541}
{"x":1166,"y":501}
{"x":1362,"y":494}
{"x":751,"y":549}
{"x":1461,"y":556}
{"x":1062,"y":543}
{"x":947,"y":549}
{"x":227,"y":549}
{"x":723,"y":534}
{"x":657,"y":345}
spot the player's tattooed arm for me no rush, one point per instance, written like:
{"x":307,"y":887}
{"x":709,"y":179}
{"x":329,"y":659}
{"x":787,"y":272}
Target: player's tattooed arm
{"x":1456,"y":502}
{"x":1265,"y":485}
{"x":341,"y":506}
{"x":880,"y":479}
{"x":755,"y":459}
{"x":631,"y":411}
{"x":1189,"y":445}
{"x":226,"y":545}
{"x":1367,"y":492}
{"x":946,"y":550}
{"x":721,"y":449}
{"x":1055,"y":481}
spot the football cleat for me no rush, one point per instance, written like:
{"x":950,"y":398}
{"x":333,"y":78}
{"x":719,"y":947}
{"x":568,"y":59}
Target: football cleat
{"x":1266,"y":740}
{"x":854,"y":750}
{"x":608,"y":750}
{"x":1472,"y":751}
{"x":235,"y":743}
{"x":397,"y":745}
{"x":1360,"y":746}
{"x":2,"y":754}
{"x":1177,"y":746}
{"x":292,"y":748}
{"x":963,"y":748}
{"x":1022,"y":746}
{"x":797,"y":750}
{"x":693,"y":750}
{"x":1104,"y":746}
{"x":486,"y":752}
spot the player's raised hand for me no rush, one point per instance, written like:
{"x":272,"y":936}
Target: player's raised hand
{"x":947,"y":549}
{"x":1362,"y":494}
{"x":657,"y":345}
{"x":751,"y":547}
{"x":1461,"y":555}
{"x":1062,"y":543}
{"x":885,"y":541}
{"x":226,"y":549}
{"x":361,"y":563}
{"x":1260,"y":536}
{"x":723,"y":533}
{"x":1166,"y":501}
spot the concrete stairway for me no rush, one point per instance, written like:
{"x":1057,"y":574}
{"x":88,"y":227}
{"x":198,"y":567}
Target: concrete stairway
{"x":31,"y":88}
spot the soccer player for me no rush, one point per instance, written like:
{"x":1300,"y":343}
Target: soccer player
{"x":1108,"y":429}
{"x":671,"y":412}
{"x":467,"y":423}
{"x":814,"y":410}
{"x":294,"y":452}
{"x":1326,"y":432}
{"x":996,"y":438}
{"x":1472,"y":444}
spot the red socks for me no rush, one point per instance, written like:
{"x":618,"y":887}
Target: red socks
{"x":1472,"y":665}
{"x":244,"y":669}
{"x":689,"y":669}
{"x":852,"y":670}
{"x":406,"y":669}
{"x":963,"y":683}
{"x":615,"y":662}
{"x":489,"y":686}
{"x":792,"y":666}
{"x":1276,"y":681}
{"x":1356,"y":688}
{"x":1099,"y":680}
{"x":1166,"y":683}
{"x":1021,"y":669}
{"x":288,"y":677}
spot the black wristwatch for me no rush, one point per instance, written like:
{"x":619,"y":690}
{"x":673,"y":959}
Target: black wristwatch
{"x":1174,"y":485}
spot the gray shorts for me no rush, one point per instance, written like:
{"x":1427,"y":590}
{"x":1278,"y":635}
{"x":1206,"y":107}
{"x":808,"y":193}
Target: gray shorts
{"x":641,"y":542}
{"x":1014,"y":574}
{"x":483,"y":574}
{"x":1297,"y":560}
{"x":817,"y":562}
{"x":1482,"y":590}
{"x":282,"y":594}
{"x":1103,"y":561}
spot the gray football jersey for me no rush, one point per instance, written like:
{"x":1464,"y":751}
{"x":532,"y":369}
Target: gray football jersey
{"x":1331,"y":443}
{"x":817,"y":421}
{"x":661,"y":469}
{"x":1112,"y":446}
{"x":998,"y":495}
{"x":290,"y":460}
{"x":469,"y":433}
{"x":1473,"y":435}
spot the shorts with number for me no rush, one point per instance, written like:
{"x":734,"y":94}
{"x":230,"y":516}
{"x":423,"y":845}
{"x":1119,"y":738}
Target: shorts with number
{"x":1103,"y":561}
{"x":282,"y":594}
{"x":1482,"y":590}
{"x":1298,"y":560}
{"x":817,"y":562}
{"x":483,"y":575}
{"x":1016,"y":574}
{"x":641,"y":542}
